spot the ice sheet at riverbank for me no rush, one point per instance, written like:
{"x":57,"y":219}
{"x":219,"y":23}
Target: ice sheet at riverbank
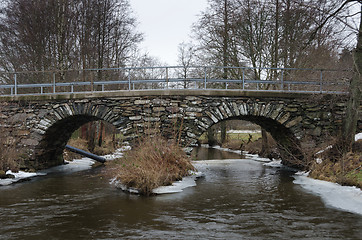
{"x":176,"y":187}
{"x":19,"y":176}
{"x":76,"y":165}
{"x":334,"y":195}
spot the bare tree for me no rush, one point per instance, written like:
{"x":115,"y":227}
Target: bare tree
{"x":186,"y":58}
{"x":62,"y":34}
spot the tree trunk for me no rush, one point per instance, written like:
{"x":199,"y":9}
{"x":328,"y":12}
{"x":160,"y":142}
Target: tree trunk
{"x":350,"y":122}
{"x":223,"y":132}
{"x":211,"y":139}
{"x":265,"y":149}
{"x":91,"y":136}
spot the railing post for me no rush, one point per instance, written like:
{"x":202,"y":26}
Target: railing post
{"x":53,"y":82}
{"x":15,"y":85}
{"x":282,"y":81}
{"x":92,"y":81}
{"x":129,"y":79}
{"x":321,"y":81}
{"x":166,"y":77}
{"x":205,"y":77}
{"x":243,"y":79}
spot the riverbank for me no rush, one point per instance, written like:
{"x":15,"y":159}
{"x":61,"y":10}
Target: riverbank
{"x":345,"y":170}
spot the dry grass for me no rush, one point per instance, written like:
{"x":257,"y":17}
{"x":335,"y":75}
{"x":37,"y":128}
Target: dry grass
{"x":154,"y":162}
{"x":252,"y":143}
{"x":346,"y":170}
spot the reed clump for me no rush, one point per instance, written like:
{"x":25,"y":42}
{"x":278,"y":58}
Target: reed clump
{"x":153,"y":162}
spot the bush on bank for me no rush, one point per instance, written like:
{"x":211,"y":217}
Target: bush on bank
{"x":153,"y":162}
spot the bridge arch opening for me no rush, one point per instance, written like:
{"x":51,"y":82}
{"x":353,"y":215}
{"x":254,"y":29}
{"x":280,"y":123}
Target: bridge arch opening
{"x":52,"y":145}
{"x":287,"y":144}
{"x":59,"y":125}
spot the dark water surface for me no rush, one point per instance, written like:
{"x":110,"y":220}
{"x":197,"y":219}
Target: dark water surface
{"x":237,"y":199}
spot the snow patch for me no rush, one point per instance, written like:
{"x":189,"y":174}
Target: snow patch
{"x":274,"y":164}
{"x":76,"y":165}
{"x":179,"y":186}
{"x":17,"y":177}
{"x":323,"y":150}
{"x":333,"y":195}
{"x":117,"y":154}
{"x":358,"y":136}
{"x":176,"y":187}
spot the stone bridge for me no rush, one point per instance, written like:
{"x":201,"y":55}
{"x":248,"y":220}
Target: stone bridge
{"x":42,"y":125}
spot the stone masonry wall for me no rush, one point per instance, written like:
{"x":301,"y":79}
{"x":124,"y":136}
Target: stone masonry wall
{"x":41,"y":128}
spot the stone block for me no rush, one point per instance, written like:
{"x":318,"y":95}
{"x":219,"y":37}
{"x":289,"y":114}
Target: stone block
{"x":135,"y":118}
{"x":191,"y":135}
{"x":152,"y":119}
{"x":141,"y":102}
{"x":283,"y":118}
{"x":212,"y":116}
{"x":29,"y":142}
{"x":173,"y":109}
{"x":294,"y":122}
{"x":193,"y":109}
{"x":176,"y":115}
{"x":18,"y":118}
{"x":159,"y":109}
{"x":236,"y":109}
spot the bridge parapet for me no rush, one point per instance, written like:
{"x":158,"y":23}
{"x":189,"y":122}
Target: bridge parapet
{"x":174,"y":77}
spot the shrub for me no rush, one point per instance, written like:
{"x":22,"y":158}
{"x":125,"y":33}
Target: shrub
{"x":153,"y":162}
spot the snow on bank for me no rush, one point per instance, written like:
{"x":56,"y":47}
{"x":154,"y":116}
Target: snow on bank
{"x":333,"y":195}
{"x":176,"y":187}
{"x":76,"y":165}
{"x":179,"y":186}
{"x":118,"y":153}
{"x":17,"y":177}
{"x":358,"y":137}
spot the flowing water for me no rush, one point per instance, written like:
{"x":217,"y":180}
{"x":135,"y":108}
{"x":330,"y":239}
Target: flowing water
{"x":237,"y":199}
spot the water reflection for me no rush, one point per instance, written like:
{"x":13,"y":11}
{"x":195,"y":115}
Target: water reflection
{"x":237,"y":199}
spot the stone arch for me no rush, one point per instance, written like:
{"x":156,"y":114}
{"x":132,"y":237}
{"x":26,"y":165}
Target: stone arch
{"x":56,"y":128}
{"x":272,"y":116}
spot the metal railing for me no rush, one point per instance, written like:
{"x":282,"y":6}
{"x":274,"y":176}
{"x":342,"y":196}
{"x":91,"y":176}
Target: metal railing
{"x":174,"y":77}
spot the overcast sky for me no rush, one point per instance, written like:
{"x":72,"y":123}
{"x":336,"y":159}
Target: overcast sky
{"x":165,"y":24}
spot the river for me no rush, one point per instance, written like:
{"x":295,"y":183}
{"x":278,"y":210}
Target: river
{"x":236,"y":199}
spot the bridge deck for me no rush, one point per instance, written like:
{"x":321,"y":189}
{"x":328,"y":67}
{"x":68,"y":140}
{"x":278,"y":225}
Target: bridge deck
{"x":166,"y":92}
